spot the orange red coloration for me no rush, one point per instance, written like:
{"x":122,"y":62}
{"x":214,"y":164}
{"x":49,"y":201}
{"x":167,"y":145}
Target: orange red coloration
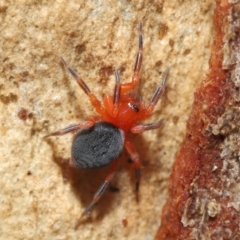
{"x":124,"y":110}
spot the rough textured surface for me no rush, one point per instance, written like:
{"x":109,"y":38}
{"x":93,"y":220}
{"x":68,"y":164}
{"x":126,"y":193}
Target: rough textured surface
{"x":38,"y":96}
{"x":204,"y":184}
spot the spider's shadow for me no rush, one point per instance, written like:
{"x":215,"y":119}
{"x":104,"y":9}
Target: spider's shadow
{"x":85,"y":182}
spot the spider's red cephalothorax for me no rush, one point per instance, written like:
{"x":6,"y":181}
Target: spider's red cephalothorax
{"x":99,"y":140}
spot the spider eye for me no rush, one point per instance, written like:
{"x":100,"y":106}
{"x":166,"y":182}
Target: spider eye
{"x":133,"y":107}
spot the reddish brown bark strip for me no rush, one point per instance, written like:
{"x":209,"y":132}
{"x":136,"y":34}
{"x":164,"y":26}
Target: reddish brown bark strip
{"x":204,"y":188}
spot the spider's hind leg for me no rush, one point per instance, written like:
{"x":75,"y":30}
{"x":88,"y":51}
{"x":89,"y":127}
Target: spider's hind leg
{"x":99,"y":193}
{"x":136,"y":161}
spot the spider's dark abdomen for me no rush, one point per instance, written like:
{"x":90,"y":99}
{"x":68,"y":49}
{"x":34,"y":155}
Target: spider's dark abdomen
{"x":97,"y":146}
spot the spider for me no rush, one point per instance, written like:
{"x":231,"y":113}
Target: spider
{"x":98,"y":141}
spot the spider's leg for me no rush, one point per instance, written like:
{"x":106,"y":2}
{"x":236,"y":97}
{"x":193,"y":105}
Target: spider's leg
{"x":145,"y":127}
{"x":135,"y":78}
{"x":116,"y":95}
{"x":89,"y":123}
{"x":98,"y":194}
{"x":95,"y":102}
{"x":136,"y":161}
{"x":157,"y":95}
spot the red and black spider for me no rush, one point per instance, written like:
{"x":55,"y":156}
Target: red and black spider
{"x":99,"y":140}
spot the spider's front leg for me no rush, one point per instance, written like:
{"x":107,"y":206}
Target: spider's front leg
{"x":116,"y":94}
{"x":157,"y":95}
{"x":126,"y":87}
{"x":95,"y":102}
